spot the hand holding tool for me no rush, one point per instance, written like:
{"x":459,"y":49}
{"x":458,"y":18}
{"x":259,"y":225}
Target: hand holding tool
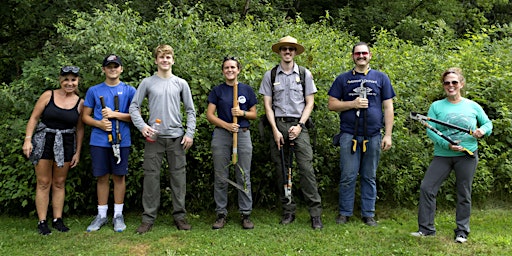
{"x":423,"y":120}
{"x":362,"y":95}
{"x":115,"y":146}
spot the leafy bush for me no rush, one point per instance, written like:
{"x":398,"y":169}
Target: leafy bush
{"x":201,"y":41}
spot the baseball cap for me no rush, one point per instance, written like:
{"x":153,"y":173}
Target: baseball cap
{"x":112,"y":58}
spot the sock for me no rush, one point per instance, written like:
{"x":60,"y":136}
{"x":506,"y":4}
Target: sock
{"x":118,"y":209}
{"x":102,"y":210}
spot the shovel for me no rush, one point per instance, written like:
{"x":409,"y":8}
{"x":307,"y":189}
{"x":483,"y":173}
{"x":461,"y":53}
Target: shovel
{"x":234,"y":156}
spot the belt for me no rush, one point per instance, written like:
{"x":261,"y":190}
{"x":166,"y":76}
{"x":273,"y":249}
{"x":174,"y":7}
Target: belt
{"x":288,"y":119}
{"x":243,"y":129}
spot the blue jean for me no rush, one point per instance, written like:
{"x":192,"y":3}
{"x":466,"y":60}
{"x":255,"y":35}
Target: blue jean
{"x":362,"y":164}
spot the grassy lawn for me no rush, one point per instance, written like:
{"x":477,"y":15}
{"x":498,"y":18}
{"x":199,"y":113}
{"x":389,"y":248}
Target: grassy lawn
{"x":489,"y":236}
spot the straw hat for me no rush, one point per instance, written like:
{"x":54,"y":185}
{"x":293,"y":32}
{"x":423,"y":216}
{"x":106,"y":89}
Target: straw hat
{"x":288,"y":41}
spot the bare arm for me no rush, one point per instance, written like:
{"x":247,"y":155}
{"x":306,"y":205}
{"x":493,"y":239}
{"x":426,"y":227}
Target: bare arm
{"x":389,"y":116}
{"x":79,"y":136}
{"x":103,"y":124}
{"x":278,"y":136}
{"x":340,"y":105}
{"x":32,"y":122}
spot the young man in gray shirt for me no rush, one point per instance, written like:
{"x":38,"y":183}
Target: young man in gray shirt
{"x":165,"y":92}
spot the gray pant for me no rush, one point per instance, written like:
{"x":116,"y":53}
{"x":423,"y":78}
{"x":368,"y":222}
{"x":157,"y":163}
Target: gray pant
{"x":303,"y":154}
{"x":222,"y":148}
{"x":436,"y":174}
{"x":176,"y":158}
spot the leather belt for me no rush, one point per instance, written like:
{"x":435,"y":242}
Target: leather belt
{"x":288,"y":119}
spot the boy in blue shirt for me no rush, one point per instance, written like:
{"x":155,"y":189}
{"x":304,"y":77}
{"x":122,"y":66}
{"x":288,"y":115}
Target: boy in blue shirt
{"x":106,"y":110}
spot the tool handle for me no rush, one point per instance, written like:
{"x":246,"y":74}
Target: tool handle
{"x":116,"y":103}
{"x":452,"y":142}
{"x":354,"y":146}
{"x":102,"y":100}
{"x":364,"y":145}
{"x":234,"y":159}
{"x":110,"y":137}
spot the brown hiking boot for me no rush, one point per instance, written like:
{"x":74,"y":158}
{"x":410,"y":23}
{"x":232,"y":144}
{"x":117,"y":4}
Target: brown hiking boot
{"x":219,"y":222}
{"x":182,"y":224}
{"x":144,"y":227}
{"x":246,"y":222}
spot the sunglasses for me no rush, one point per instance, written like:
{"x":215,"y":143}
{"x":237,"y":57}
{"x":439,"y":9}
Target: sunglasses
{"x":69,"y":69}
{"x":229,"y":58}
{"x":450,"y":82}
{"x":291,"y":49}
{"x":361,"y":53}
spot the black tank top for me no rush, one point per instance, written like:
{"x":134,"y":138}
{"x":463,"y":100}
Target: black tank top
{"x":58,"y":118}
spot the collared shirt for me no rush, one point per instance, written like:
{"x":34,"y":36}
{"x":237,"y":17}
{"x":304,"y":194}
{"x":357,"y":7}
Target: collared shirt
{"x":288,"y":97}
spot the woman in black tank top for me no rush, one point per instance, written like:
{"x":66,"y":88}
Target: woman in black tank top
{"x":54,"y":145}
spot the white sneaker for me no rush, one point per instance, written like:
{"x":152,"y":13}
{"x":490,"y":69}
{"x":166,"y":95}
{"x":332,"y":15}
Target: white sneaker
{"x":461,"y":239}
{"x":421,"y":234}
{"x":97,"y":223}
{"x":119,"y":225}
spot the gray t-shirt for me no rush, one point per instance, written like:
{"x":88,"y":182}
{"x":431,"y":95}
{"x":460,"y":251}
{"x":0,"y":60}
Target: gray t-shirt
{"x":164,"y":99}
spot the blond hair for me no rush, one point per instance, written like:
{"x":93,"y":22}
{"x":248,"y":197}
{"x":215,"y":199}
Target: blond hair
{"x":163,"y":49}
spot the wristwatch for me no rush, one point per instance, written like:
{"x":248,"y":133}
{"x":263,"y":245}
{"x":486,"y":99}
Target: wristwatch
{"x":302,"y":125}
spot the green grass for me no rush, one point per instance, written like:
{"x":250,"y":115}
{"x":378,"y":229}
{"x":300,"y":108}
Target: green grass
{"x":490,"y":226}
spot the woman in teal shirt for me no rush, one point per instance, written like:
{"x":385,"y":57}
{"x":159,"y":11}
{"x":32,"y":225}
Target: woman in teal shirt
{"x":462,"y":112}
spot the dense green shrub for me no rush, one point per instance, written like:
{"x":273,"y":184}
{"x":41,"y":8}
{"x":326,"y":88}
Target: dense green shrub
{"x":200,"y":43}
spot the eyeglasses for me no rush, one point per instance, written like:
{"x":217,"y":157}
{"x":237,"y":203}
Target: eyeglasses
{"x":361,"y":53}
{"x":69,"y":69}
{"x":291,"y":49}
{"x":446,"y":83}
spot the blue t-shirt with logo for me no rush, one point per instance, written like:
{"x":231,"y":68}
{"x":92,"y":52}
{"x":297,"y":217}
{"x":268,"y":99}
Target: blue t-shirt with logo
{"x":222,"y":97}
{"x":346,"y":87}
{"x":125,"y":95}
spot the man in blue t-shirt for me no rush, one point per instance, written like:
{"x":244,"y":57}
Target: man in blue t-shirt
{"x":110,"y":126}
{"x":364,"y":99}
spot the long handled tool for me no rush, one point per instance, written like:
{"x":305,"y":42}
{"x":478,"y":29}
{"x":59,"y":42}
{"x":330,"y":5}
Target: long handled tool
{"x":287,"y":172}
{"x":423,"y":120}
{"x":418,"y":116}
{"x":234,"y":156}
{"x":362,"y":94}
{"x":115,"y":146}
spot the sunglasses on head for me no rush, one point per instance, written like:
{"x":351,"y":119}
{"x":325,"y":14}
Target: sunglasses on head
{"x":450,"y":82}
{"x":361,"y":53}
{"x":286,"y":48}
{"x":70,"y":69}
{"x":229,"y":58}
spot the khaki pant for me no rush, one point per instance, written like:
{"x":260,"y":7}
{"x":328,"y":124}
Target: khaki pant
{"x":176,"y":158}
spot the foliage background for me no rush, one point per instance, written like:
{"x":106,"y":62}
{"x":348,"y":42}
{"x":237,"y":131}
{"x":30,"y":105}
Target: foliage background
{"x":201,"y":40}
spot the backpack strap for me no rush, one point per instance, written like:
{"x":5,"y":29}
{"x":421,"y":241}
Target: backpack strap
{"x":302,"y":76}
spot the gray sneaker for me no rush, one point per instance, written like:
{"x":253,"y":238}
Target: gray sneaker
{"x":119,"y":225}
{"x":97,"y":223}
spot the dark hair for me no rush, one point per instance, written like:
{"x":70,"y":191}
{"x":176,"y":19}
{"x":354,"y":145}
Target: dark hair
{"x":358,"y":44}
{"x":238,"y":64}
